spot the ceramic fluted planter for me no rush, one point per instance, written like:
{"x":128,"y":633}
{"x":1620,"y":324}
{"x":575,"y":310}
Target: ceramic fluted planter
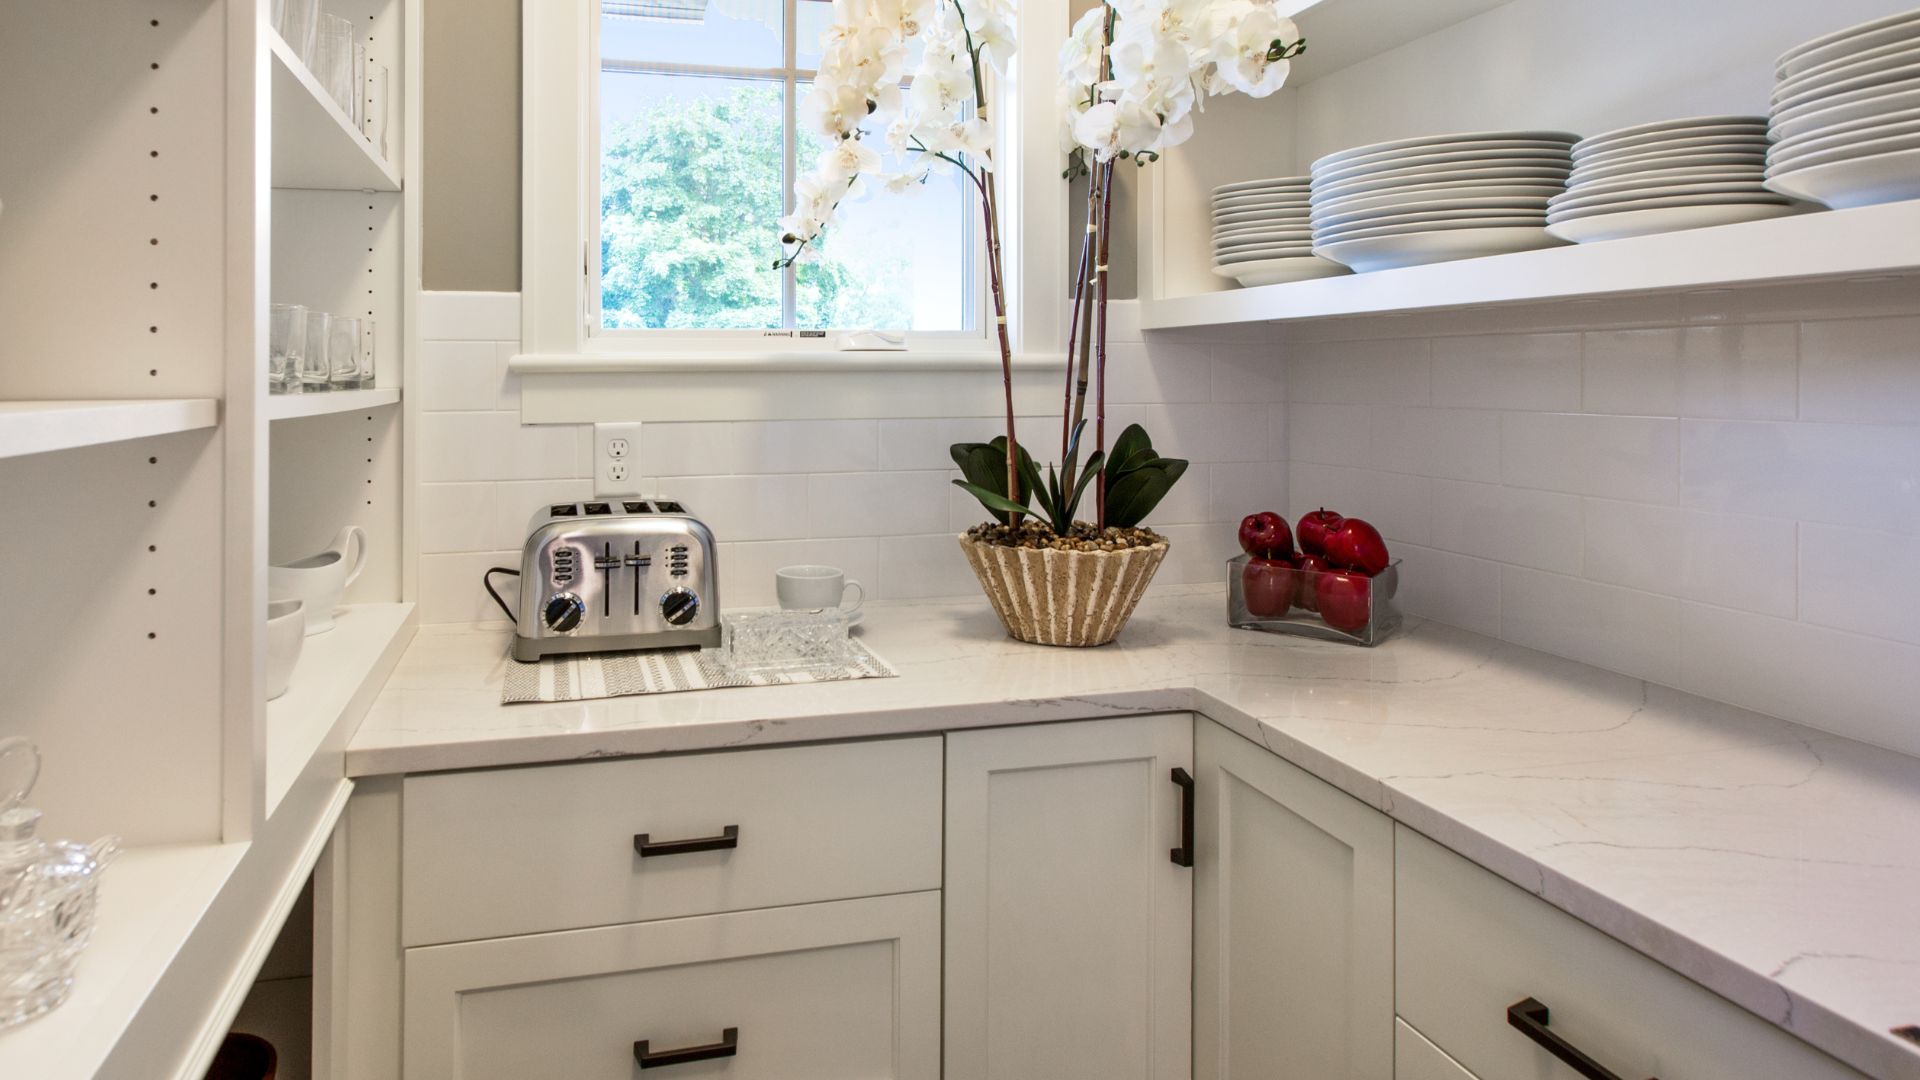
{"x":1053,"y":597}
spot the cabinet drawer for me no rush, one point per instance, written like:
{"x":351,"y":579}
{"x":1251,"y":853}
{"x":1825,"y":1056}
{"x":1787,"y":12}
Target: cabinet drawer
{"x":1468,"y":945}
{"x":1414,"y":1058}
{"x":515,"y":851}
{"x":819,"y":992}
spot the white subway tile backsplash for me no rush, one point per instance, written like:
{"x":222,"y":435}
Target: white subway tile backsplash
{"x":451,"y":591}
{"x":1861,"y":370}
{"x":1389,"y":372}
{"x":700,"y":448}
{"x":496,"y":446}
{"x":1330,"y":434}
{"x":1734,"y":561}
{"x":914,"y":567}
{"x":1249,"y":373}
{"x":747,"y":569}
{"x":1861,"y":580}
{"x":747,"y":507}
{"x":1862,"y":475}
{"x":1202,"y":432}
{"x":456,"y":517}
{"x":1400,"y":506}
{"x":806,"y":446}
{"x":458,"y":376}
{"x":1455,"y":589}
{"x":875,"y":504}
{"x":470,"y":316}
{"x":516,"y":501}
{"x":1244,"y":488}
{"x":1452,"y":444}
{"x":1748,"y":371}
{"x":1507,"y":371}
{"x":1540,"y":529}
{"x":1137,"y":375}
{"x":1615,"y":457}
{"x":1623,"y":630}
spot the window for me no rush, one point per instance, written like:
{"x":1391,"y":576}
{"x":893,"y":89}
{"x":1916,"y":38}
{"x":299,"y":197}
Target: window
{"x":695,"y":152}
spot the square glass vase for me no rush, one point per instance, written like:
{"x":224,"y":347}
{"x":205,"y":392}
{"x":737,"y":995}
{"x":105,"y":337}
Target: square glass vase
{"x":1357,"y":609}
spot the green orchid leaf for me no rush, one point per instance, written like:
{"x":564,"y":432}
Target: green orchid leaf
{"x":1134,"y":496}
{"x":1133,"y":442}
{"x":992,"y":500}
{"x":1094,"y":464}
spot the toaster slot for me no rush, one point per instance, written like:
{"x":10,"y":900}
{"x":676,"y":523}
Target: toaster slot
{"x":669,"y":508}
{"x":607,"y":563}
{"x":564,"y":510}
{"x":598,"y":509}
{"x":639,"y":563}
{"x":637,"y":508}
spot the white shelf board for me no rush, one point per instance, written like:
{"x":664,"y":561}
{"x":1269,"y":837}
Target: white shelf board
{"x":35,"y":427}
{"x":1865,"y":241}
{"x":1341,"y":33}
{"x":152,"y":900}
{"x":339,"y":674}
{"x":292,"y":406}
{"x":314,"y":144}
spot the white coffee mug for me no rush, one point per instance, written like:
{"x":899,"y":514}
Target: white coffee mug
{"x":812,"y":588}
{"x":319,"y":580}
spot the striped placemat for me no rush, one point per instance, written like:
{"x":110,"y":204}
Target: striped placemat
{"x":585,"y":676}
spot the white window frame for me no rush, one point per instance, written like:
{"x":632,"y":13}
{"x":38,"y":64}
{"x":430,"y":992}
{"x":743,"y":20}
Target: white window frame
{"x":559,"y":182}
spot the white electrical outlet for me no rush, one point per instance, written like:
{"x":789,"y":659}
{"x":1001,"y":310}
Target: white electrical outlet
{"x":616,"y":465}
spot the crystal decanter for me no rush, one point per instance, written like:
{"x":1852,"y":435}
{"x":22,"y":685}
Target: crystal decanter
{"x":47,"y":895}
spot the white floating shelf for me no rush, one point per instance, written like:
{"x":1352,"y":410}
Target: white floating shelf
{"x":314,"y":144}
{"x":292,"y":406}
{"x":339,"y":674}
{"x":1869,"y":240}
{"x":152,"y":900}
{"x":35,"y":427}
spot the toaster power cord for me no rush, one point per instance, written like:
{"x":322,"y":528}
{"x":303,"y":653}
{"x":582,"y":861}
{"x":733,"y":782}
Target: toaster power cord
{"x":486,"y":580}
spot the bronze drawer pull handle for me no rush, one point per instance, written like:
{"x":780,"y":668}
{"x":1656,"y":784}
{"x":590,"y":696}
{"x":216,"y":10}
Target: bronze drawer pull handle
{"x":1183,"y":855}
{"x":728,"y":1046}
{"x":647,"y":847}
{"x":1530,"y":1017}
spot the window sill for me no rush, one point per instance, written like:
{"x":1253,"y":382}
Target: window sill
{"x":768,"y":362}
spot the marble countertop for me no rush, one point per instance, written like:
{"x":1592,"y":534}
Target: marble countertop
{"x":1775,"y":864}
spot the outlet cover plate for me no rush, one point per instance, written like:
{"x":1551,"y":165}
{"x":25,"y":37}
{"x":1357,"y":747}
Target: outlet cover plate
{"x":616,"y":475}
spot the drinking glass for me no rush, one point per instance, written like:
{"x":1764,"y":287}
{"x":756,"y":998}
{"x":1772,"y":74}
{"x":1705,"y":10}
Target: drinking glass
{"x":366,"y":354}
{"x":314,"y":371}
{"x":336,"y":60}
{"x":343,"y":352}
{"x":286,"y":344}
{"x":375,"y":123}
{"x":357,"y":99}
{"x":299,"y":25}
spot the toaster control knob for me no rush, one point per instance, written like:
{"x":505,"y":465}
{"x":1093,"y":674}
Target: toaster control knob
{"x":679,"y":606}
{"x":563,"y":612}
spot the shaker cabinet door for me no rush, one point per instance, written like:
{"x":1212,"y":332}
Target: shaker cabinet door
{"x":1068,"y":921}
{"x":1293,"y":922}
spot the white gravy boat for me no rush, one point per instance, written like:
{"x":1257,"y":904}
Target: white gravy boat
{"x":318,"y":581}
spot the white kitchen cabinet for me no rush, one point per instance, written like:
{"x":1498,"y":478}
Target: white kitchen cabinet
{"x":1472,"y":948}
{"x":1414,"y":1058}
{"x":1068,"y":920}
{"x":1293,"y":922}
{"x":811,"y":992}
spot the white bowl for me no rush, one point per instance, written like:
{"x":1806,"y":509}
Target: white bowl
{"x":1755,"y":159}
{"x":1277,"y":183}
{"x":1853,"y":39}
{"x":1480,"y":157}
{"x":1621,"y":224}
{"x":1280,"y":271}
{"x":1433,"y":210}
{"x":1350,"y":232}
{"x":1419,"y":142}
{"x":1877,"y":80}
{"x":1371,"y":254}
{"x":1661,"y":202}
{"x":286,"y":635}
{"x":1853,"y":135}
{"x":1663,"y":130}
{"x":1435,"y":175}
{"x":1855,"y":66}
{"x":1864,"y":181}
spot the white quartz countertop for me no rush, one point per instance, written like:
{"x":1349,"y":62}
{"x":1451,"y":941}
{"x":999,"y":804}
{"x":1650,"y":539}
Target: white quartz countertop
{"x":1775,"y":864}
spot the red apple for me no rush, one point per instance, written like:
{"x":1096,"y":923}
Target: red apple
{"x":1268,"y":585}
{"x":1343,"y":597}
{"x":1311,"y":567}
{"x":1357,"y":546}
{"x":1265,"y":536}
{"x":1316,"y":528}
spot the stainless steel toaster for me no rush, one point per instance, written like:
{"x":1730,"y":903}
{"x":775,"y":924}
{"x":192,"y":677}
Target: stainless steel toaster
{"x":616,"y":574}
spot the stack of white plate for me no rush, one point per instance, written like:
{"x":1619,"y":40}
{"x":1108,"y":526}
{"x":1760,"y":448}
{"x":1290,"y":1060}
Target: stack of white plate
{"x":1437,"y":198}
{"x":1260,"y":233}
{"x":1846,"y":115}
{"x":1674,"y":174}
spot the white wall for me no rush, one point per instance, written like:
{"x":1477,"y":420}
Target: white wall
{"x":1718,"y":491}
{"x":871,"y":496}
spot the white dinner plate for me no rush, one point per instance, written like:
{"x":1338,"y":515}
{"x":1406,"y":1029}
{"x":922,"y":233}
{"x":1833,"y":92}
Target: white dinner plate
{"x":1691,"y":144}
{"x":1752,"y":159}
{"x":1277,"y":182}
{"x":1280,"y":271}
{"x":1264,"y":240}
{"x":1430,"y":178}
{"x":1865,"y":181}
{"x":1705,"y":174}
{"x":1851,"y":134}
{"x":1247,"y":217}
{"x":1241,"y":202}
{"x":1662,"y":130}
{"x":1482,"y":157}
{"x":1636,"y":187}
{"x":1463,"y":194}
{"x":1677,"y":191}
{"x":1853,"y":39}
{"x":1289,"y":225}
{"x":1892,"y":144}
{"x":1619,"y":225}
{"x":1851,"y":86}
{"x":1433,"y":209}
{"x":1418,"y":249}
{"x":1852,"y":57}
{"x":1535,"y":221}
{"x":1238,"y":258}
{"x":1420,"y":143}
{"x":1732,"y":198}
{"x":1825,"y":117}
{"x":1857,"y":65}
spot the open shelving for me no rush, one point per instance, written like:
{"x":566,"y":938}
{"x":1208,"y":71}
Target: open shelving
{"x":315,"y":145}
{"x":39,"y":427}
{"x":340,"y":673}
{"x":294,"y":406}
